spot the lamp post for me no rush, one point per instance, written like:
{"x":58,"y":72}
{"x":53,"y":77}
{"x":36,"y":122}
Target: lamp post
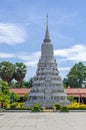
{"x":12,"y":97}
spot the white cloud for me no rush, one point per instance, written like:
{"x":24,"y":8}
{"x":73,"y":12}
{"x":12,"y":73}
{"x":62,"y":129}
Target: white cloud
{"x":26,"y":56}
{"x":75,"y":53}
{"x":30,"y":59}
{"x":64,"y":68}
{"x":31,"y":63}
{"x":11,"y":34}
{"x":7,"y":55}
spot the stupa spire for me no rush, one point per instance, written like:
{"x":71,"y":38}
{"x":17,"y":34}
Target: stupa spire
{"x":47,"y":89}
{"x":47,"y":37}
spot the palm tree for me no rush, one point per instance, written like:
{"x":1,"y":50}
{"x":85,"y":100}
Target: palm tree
{"x":6,"y":71}
{"x":20,"y":71}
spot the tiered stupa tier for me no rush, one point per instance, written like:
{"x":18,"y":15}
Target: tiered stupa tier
{"x":47,"y":86}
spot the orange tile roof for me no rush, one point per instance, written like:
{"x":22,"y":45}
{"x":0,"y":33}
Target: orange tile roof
{"x":70,"y":91}
{"x":76,"y":92}
{"x":20,"y":91}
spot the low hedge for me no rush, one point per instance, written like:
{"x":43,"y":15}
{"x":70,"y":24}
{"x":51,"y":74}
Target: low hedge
{"x":57,"y":106}
{"x":77,"y":106}
{"x":64,"y":109}
{"x":18,"y":108}
{"x":36,"y":108}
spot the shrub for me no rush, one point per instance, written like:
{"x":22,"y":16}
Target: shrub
{"x":58,"y":106}
{"x":25,"y":97}
{"x":6,"y":105}
{"x":54,"y":108}
{"x":14,"y":105}
{"x":77,"y":106}
{"x":21,"y":104}
{"x":17,"y":108}
{"x":36,"y":108}
{"x":71,"y":98}
{"x":42,"y":108}
{"x":64,"y":109}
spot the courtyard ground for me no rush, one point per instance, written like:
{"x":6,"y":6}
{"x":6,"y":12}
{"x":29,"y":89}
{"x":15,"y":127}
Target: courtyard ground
{"x":42,"y":121}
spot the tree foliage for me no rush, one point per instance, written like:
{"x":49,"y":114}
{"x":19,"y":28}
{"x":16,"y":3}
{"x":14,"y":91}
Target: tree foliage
{"x":6,"y":71}
{"x":71,"y":98}
{"x":65,"y":82}
{"x":4,"y":93}
{"x":20,"y":71}
{"x":14,"y":97}
{"x":77,"y":75}
{"x":24,"y":84}
{"x":26,"y":97}
{"x":9,"y":71}
{"x":4,"y":88}
{"x":30,"y":82}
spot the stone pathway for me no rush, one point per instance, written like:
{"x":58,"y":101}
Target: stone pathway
{"x":43,"y":121}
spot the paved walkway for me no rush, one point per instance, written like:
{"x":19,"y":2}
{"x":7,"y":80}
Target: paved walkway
{"x":43,"y":121}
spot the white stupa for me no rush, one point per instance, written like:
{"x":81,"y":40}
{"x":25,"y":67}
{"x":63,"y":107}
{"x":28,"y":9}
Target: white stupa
{"x":47,"y":86}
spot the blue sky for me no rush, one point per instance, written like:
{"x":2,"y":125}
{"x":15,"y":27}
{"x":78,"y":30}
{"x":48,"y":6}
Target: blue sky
{"x":22,"y":30}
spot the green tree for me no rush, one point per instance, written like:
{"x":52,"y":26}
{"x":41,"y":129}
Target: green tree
{"x":14,"y":97}
{"x":4,"y":87}
{"x":25,"y":97}
{"x":4,"y":93}
{"x":30,"y":83}
{"x":65,"y":82}
{"x":6,"y":97}
{"x":6,"y":71}
{"x":1,"y":96}
{"x":27,"y":84}
{"x":77,"y":75}
{"x":20,"y":71}
{"x":71,"y":98}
